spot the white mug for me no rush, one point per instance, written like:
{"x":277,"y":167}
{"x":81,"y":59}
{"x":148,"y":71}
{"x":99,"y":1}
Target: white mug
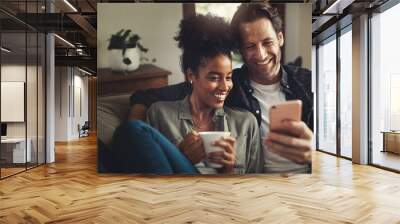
{"x":209,"y":137}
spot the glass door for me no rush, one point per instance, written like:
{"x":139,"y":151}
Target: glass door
{"x":22,"y":87}
{"x":346,"y":72}
{"x":385,"y":89}
{"x":13,"y":104}
{"x":326,"y":94}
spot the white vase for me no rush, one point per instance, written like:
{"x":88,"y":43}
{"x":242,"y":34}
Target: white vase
{"x":116,"y":59}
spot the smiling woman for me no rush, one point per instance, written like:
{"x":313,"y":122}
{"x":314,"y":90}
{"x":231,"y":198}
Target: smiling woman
{"x":207,"y":63}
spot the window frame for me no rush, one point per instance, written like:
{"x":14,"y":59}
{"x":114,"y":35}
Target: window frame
{"x":346,"y":26}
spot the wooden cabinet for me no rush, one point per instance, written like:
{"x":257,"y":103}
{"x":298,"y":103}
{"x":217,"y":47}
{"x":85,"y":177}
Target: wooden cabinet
{"x":391,"y":142}
{"x":145,"y":77}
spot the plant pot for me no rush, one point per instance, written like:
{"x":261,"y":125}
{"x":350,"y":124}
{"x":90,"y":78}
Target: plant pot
{"x":129,"y":62}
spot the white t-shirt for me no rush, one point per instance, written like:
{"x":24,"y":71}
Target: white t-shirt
{"x":268,"y":95}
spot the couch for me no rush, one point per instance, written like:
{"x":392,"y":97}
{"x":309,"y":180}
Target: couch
{"x":111,"y":111}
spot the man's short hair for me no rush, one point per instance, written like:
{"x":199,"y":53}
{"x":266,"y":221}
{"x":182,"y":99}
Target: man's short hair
{"x":249,"y":12}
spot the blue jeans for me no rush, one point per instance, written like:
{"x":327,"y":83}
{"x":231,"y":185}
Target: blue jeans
{"x":139,"y":148}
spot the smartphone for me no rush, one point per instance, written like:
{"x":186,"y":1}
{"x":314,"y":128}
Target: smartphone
{"x":289,"y":110}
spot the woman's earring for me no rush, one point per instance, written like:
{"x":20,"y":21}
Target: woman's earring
{"x":191,"y":82}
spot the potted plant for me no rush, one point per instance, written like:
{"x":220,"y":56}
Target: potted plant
{"x":124,"y":49}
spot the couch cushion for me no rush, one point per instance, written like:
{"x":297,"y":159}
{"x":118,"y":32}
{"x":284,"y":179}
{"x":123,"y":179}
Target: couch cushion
{"x":111,"y":111}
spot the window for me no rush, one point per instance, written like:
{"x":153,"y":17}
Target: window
{"x":385,"y":85}
{"x":335,"y":74}
{"x":346,"y":93}
{"x":225,"y":11}
{"x":327,"y":95}
{"x":394,"y":118}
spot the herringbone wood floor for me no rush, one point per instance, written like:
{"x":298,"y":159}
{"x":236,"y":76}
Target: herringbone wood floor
{"x":71,"y":191}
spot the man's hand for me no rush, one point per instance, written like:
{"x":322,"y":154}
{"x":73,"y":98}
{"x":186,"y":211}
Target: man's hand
{"x":292,"y":140}
{"x":192,"y":147}
{"x":227,"y":157}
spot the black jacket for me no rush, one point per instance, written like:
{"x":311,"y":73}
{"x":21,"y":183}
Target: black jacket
{"x":295,"y":83}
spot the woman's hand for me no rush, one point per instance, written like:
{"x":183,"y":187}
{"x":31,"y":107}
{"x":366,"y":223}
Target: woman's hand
{"x":227,"y":157}
{"x":192,"y":147}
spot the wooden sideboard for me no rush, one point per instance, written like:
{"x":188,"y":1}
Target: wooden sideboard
{"x":145,"y":77}
{"x":391,"y":141}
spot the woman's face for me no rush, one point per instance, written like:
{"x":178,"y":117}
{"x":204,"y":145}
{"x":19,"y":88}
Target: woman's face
{"x":213,"y":82}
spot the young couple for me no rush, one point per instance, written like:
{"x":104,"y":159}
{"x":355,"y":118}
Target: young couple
{"x":217,"y":98}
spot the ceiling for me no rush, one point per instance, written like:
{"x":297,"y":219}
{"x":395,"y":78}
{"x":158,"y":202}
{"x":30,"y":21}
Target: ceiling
{"x":74,"y":21}
{"x":330,"y":15}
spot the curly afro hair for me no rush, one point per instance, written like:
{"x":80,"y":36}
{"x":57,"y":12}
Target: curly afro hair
{"x":203,"y":36}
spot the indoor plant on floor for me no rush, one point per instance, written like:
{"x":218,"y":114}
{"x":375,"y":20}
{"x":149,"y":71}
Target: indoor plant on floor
{"x":124,"y":49}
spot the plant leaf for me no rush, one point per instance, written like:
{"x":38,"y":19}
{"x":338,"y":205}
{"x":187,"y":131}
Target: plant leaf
{"x":126,"y":34}
{"x":133,"y":41}
{"x":119,"y":32}
{"x":142,"y":48}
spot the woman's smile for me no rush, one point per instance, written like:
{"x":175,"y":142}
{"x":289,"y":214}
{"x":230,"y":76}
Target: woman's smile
{"x":221,"y":96}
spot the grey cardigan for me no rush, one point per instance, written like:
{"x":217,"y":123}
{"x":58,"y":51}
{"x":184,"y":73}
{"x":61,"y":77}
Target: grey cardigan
{"x":174,"y":120}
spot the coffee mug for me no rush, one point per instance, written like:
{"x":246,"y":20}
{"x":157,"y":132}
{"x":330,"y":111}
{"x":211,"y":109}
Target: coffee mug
{"x":209,"y":137}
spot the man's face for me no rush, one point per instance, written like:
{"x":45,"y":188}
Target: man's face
{"x":261,"y":50}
